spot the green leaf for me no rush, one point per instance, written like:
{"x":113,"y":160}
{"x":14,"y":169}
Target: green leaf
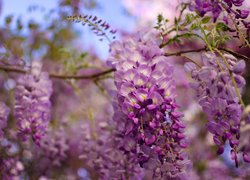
{"x":19,"y":24}
{"x":8,"y":19}
{"x":189,"y":18}
{"x":159,"y":18}
{"x":83,"y":55}
{"x":221,"y":26}
{"x":205,"y":27}
{"x":175,"y":21}
{"x":205,"y":20}
{"x":33,"y":25}
{"x":194,"y":26}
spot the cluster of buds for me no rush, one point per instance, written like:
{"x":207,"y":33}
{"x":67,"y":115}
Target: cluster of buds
{"x":98,"y":26}
{"x":146,"y":112}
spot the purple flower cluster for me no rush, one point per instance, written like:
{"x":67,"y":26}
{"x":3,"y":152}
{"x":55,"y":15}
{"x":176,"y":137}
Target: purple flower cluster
{"x":216,"y":7}
{"x":53,"y":148}
{"x":32,"y":105}
{"x":244,"y":144}
{"x":146,"y":112}
{"x":216,"y":168}
{"x":4,"y":112}
{"x":101,"y":155}
{"x":218,"y":98}
{"x":10,"y":168}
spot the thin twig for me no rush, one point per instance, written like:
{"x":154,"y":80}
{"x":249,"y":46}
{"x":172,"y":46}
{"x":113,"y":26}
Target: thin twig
{"x":107,"y":71}
{"x":59,"y":76}
{"x":235,"y":54}
{"x":191,"y":60}
{"x":179,"y":53}
{"x":91,"y":76}
{"x":232,"y":77}
{"x":12,"y":69}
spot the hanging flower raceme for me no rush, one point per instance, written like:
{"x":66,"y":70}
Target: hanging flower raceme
{"x":32,"y":103}
{"x":217,"y":95}
{"x":4,"y":112}
{"x":10,"y":168}
{"x":102,"y":156}
{"x":146,"y":112}
{"x":53,"y":148}
{"x":216,"y":8}
{"x":245,"y":146}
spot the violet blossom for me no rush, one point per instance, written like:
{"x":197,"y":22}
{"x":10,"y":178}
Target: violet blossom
{"x":216,"y":8}
{"x":4,"y":112}
{"x":11,"y":168}
{"x":146,"y":112}
{"x":32,"y":104}
{"x":218,"y":98}
{"x":103,"y":158}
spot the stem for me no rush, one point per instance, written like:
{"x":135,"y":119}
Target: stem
{"x":236,"y":26}
{"x":179,"y":53}
{"x":182,"y":10}
{"x":205,"y":39}
{"x":107,"y":71}
{"x":180,"y":35}
{"x":235,"y":54}
{"x":179,"y":20}
{"x":191,"y":60}
{"x":92,"y":76}
{"x":232,"y":77}
{"x":86,"y":20}
{"x":141,"y":124}
{"x":59,"y":76}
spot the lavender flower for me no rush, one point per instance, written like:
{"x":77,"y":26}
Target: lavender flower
{"x":10,"y":168}
{"x":244,"y":145}
{"x":217,"y":96}
{"x":54,"y":147}
{"x":4,"y":112}
{"x":216,"y":168}
{"x":104,"y":159}
{"x":215,"y":7}
{"x":32,"y":104}
{"x":146,"y":112}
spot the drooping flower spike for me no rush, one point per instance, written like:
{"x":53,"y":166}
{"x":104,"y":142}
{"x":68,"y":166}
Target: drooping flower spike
{"x":102,"y":154}
{"x":32,"y":103}
{"x":218,"y":98}
{"x":146,"y":111}
{"x":11,"y":168}
{"x":4,"y":112}
{"x":216,"y":8}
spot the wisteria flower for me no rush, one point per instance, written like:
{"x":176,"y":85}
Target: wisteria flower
{"x":4,"y":112}
{"x":32,"y":104}
{"x":218,"y":98}
{"x":146,"y":111}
